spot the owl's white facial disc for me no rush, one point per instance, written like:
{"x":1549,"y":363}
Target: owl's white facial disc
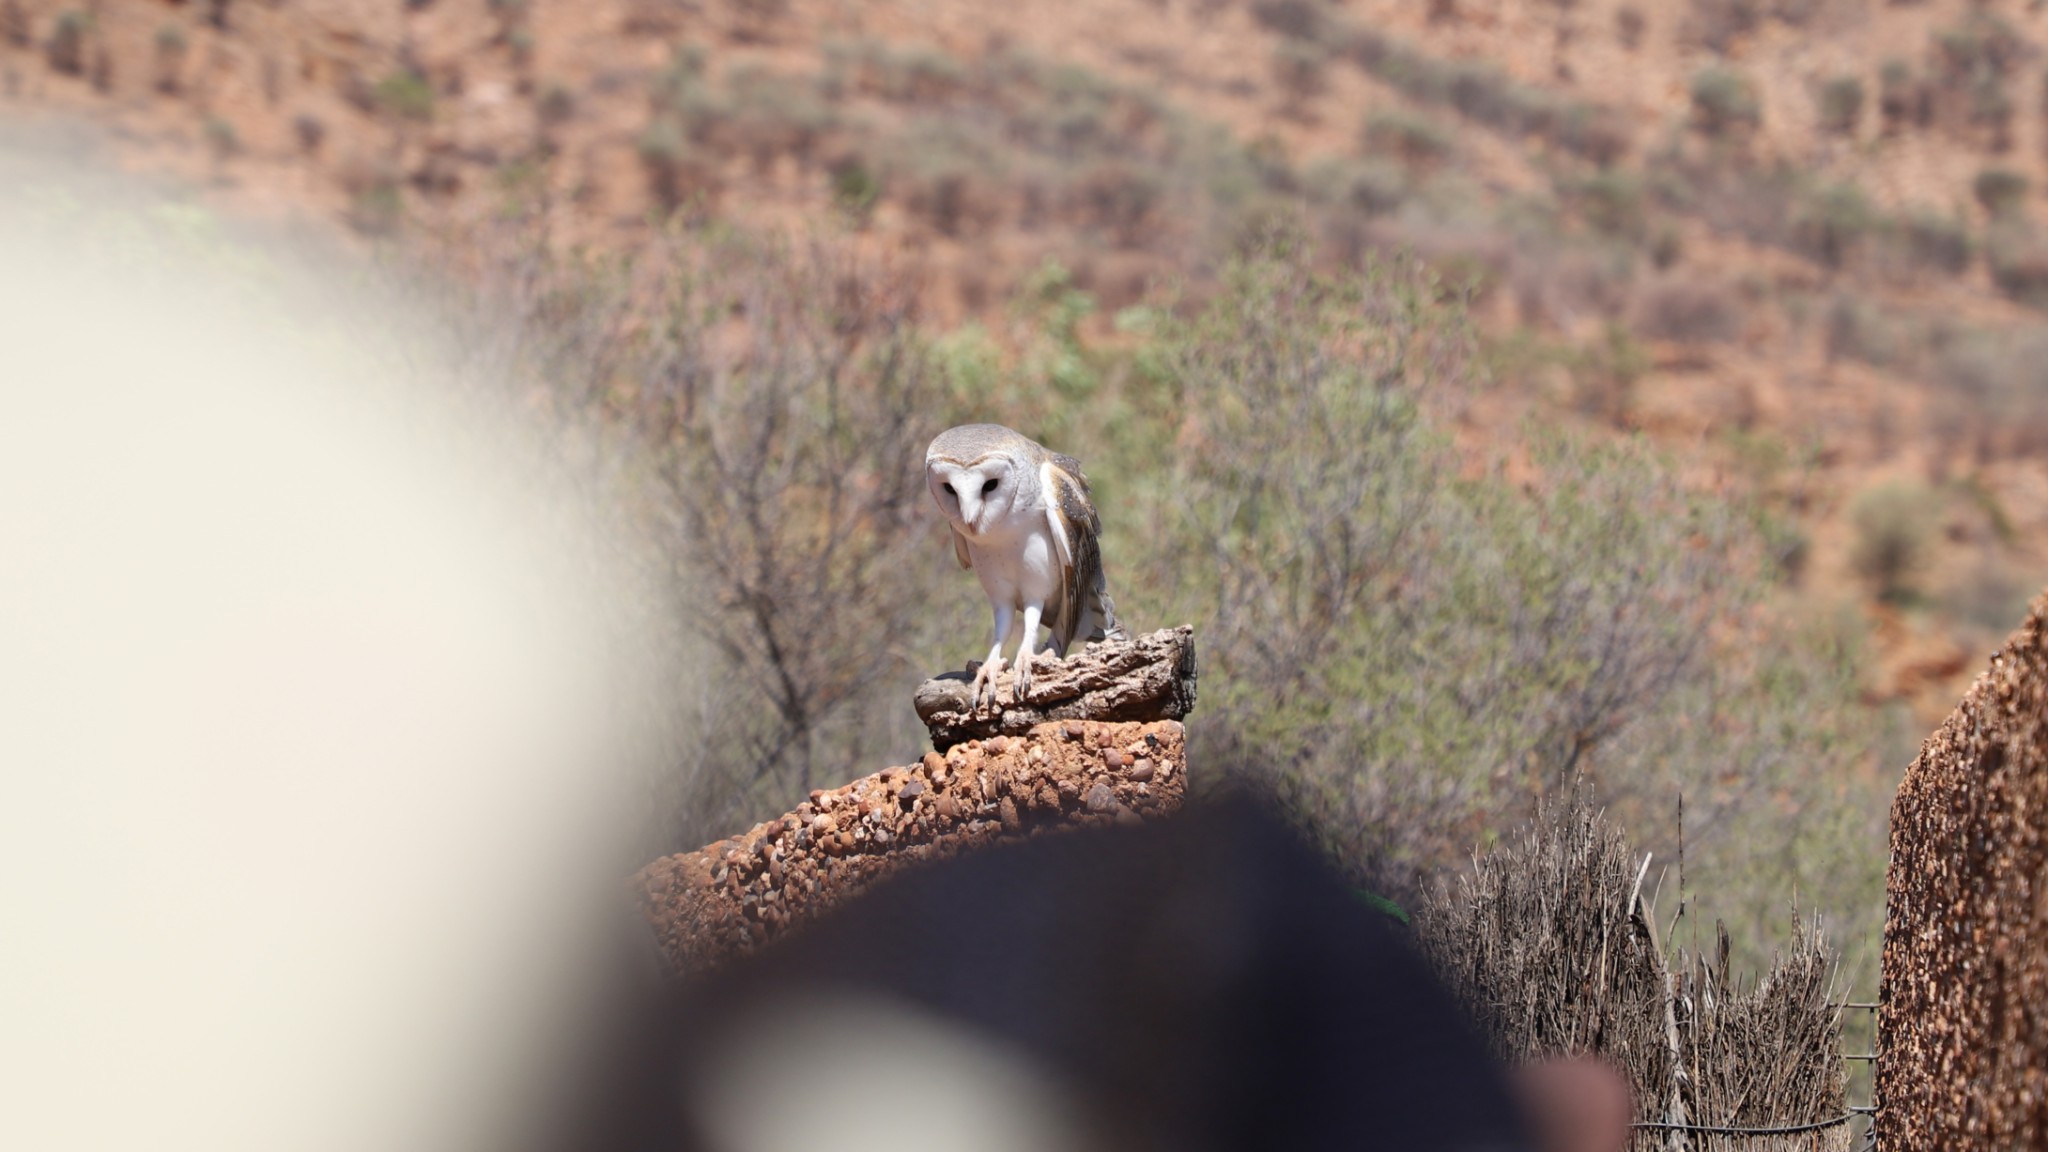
{"x":973,"y":496}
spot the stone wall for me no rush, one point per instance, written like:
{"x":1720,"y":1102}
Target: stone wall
{"x":1963,"y":1019}
{"x":732,"y":896}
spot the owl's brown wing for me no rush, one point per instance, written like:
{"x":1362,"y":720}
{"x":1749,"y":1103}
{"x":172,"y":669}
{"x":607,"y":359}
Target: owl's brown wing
{"x":1083,"y":610}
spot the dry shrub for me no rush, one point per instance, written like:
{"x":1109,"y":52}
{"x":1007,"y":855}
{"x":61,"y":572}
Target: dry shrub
{"x":1922,"y":240}
{"x":1717,"y":24}
{"x":1296,"y":19}
{"x":1894,"y":530}
{"x":1840,"y":101}
{"x":1414,"y":139}
{"x":1725,"y":101}
{"x":1301,"y":69}
{"x":2018,"y":257}
{"x":1552,"y":942}
{"x":1768,"y":1056}
{"x":66,"y":48}
{"x":2001,"y":192}
{"x":1971,"y":63}
{"x":1688,"y":311}
{"x":1903,"y":99}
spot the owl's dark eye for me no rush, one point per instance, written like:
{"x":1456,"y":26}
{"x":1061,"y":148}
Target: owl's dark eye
{"x":988,"y":487}
{"x":948,"y":488}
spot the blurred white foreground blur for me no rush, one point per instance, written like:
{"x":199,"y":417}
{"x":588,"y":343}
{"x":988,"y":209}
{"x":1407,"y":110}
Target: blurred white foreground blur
{"x":308,"y":755}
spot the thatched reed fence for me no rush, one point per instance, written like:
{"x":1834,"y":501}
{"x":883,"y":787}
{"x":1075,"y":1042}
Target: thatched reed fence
{"x":1553,"y":944}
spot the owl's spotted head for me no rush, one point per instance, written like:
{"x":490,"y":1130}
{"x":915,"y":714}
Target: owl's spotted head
{"x":976,"y":474}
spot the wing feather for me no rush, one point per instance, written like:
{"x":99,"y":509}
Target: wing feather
{"x":1083,"y":610}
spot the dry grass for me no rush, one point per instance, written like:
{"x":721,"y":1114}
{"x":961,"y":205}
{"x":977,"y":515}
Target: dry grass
{"x":1552,"y":942}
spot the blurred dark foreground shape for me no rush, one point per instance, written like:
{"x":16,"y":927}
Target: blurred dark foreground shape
{"x":1196,"y":983}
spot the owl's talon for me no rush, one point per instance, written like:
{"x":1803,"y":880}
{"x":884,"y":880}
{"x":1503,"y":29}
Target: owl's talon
{"x":985,"y":682}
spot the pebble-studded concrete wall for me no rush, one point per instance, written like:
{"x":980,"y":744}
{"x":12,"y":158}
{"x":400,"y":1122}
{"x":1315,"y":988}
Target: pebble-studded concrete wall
{"x":732,"y":896}
{"x":1963,"y":1017}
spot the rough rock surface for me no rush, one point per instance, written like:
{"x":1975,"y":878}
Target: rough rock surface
{"x":732,"y":896}
{"x":1963,"y":1017}
{"x":1149,"y":677}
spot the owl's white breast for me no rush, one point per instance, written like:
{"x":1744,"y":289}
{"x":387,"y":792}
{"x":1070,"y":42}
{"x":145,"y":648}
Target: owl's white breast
{"x":1017,"y":564}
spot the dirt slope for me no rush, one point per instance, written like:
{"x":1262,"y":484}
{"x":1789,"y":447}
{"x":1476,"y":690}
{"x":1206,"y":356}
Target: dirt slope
{"x":1803,"y":304}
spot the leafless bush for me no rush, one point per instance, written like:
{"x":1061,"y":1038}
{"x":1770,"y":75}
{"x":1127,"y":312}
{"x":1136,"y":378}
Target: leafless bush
{"x":787,"y":399}
{"x":1552,"y":941}
{"x":763,"y":407}
{"x":1768,"y":1055}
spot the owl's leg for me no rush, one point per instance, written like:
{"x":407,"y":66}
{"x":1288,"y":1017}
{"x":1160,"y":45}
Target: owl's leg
{"x":1023,"y":679}
{"x":985,"y":677}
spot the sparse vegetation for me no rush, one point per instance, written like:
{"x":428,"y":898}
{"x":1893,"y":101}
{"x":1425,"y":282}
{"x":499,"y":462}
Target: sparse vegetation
{"x":1925,"y":239}
{"x":2001,"y":191}
{"x":1301,"y":69}
{"x":310,"y":131}
{"x":1413,"y":139}
{"x":1841,"y":105}
{"x":1487,"y":96}
{"x":1629,"y":25}
{"x":1832,"y":225}
{"x":1404,"y":655}
{"x":222,"y":139}
{"x":66,"y":47}
{"x":1903,"y":100}
{"x":14,"y":26}
{"x":170,"y":58}
{"x":2018,"y":256}
{"x":1683,"y":308}
{"x":407,"y":95}
{"x":1724,"y":101}
{"x":1894,"y":525}
{"x":1618,"y":291}
{"x":1717,"y":24}
{"x":1554,"y":943}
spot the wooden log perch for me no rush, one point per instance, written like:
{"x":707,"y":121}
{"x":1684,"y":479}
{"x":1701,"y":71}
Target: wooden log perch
{"x":733,"y":896}
{"x":1140,"y":678}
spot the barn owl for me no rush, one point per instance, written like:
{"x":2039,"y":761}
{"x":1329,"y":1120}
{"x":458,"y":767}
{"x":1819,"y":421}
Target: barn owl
{"x":1022,"y":519}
